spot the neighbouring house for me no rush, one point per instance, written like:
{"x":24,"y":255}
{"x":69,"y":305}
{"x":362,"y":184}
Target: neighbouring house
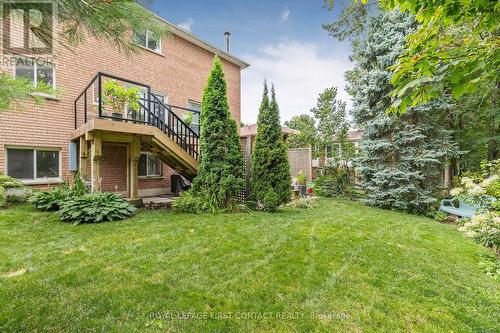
{"x":132,"y":152}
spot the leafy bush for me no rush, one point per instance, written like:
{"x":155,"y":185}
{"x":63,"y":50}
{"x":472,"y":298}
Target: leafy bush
{"x":334,"y":185}
{"x":8,"y":182}
{"x":476,"y":192}
{"x":50,"y":201}
{"x":95,"y":207}
{"x":440,"y":216}
{"x":53,"y":200}
{"x":301,"y":178}
{"x":196,"y":202}
{"x":484,"y":229}
{"x":271,"y":201}
{"x":302,"y":203}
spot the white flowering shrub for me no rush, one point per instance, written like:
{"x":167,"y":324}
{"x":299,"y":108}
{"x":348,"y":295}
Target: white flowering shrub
{"x":484,"y":228}
{"x":476,"y":193}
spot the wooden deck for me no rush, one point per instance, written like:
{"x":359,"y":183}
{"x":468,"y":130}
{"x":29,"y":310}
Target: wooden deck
{"x":140,"y":138}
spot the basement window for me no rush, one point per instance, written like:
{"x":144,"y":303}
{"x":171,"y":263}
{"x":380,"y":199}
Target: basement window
{"x":147,"y":40}
{"x":33,"y":164}
{"x":149,"y":165}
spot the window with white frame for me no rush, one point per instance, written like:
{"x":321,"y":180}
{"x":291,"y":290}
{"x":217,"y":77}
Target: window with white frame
{"x":147,"y":40}
{"x":195,"y":123}
{"x":35,"y":70}
{"x":149,"y":165}
{"x":33,"y":163}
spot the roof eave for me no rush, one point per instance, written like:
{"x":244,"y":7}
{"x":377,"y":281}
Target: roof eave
{"x":203,"y":44}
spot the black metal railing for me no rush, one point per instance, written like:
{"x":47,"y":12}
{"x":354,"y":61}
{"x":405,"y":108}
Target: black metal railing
{"x":152,"y":111}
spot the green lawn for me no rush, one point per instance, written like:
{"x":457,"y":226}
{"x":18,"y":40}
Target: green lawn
{"x":339,"y":267}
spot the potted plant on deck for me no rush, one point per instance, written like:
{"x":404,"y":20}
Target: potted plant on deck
{"x":301,"y":181}
{"x":120,"y":97}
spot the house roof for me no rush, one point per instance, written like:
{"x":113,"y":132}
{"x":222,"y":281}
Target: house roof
{"x":176,"y":30}
{"x":251,"y":130}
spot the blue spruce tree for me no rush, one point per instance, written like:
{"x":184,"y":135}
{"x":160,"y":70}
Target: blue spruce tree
{"x":402,"y":157}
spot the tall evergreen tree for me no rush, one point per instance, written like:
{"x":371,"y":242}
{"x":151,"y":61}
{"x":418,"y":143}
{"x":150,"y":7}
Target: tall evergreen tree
{"x":221,"y":174}
{"x":402,"y":157}
{"x":271,"y":180}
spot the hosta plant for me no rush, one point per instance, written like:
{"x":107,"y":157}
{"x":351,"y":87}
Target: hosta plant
{"x":95,"y":207}
{"x":50,"y":201}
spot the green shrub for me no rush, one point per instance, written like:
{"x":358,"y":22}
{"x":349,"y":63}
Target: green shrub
{"x":9,"y":182}
{"x":50,"y":201}
{"x":440,"y":216}
{"x":334,"y":185}
{"x":3,"y":198}
{"x":53,"y":200}
{"x":6,"y":181}
{"x":484,"y":229}
{"x":271,"y":201}
{"x":95,"y":207}
{"x":196,"y":202}
{"x":302,"y":203}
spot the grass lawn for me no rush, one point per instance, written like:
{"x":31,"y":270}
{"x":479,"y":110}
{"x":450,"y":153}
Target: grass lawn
{"x":339,"y":267}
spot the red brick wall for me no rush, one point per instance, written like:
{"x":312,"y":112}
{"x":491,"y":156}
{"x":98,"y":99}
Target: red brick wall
{"x":179,"y":72}
{"x":114,"y":167}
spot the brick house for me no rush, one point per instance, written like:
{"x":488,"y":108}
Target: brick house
{"x":133,"y":153}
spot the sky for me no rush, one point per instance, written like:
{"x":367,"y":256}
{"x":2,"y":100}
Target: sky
{"x":282,"y":40}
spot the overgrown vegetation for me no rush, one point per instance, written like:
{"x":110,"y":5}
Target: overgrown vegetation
{"x":271,"y":179}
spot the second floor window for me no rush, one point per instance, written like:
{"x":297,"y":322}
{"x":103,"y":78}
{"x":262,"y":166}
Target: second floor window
{"x":195,"y":123}
{"x":147,"y":40}
{"x":37,"y":71}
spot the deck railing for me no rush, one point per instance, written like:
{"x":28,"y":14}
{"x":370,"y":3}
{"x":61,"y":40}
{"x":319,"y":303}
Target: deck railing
{"x":152,"y":111}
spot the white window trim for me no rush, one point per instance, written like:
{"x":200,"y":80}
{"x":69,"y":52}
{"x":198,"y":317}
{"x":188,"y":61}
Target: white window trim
{"x":147,"y":153}
{"x":190,"y":102}
{"x":35,"y":77}
{"x":158,"y":48}
{"x":35,"y":180}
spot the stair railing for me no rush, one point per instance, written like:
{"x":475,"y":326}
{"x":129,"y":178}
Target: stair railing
{"x":152,"y":111}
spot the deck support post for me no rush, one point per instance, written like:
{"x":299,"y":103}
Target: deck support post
{"x":83,"y":158}
{"x":135,"y":155}
{"x":95,"y":162}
